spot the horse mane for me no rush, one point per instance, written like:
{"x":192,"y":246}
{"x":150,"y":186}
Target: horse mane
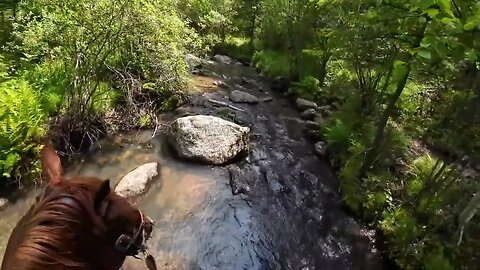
{"x":54,"y":228}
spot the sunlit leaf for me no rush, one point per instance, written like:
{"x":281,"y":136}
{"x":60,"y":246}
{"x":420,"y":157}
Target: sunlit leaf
{"x":446,"y":7}
{"x":425,"y":54}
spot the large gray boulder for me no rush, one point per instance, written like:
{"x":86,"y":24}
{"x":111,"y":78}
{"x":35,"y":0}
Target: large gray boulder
{"x":136,"y":181}
{"x":303,"y":104}
{"x":238,"y":96}
{"x":208,"y":139}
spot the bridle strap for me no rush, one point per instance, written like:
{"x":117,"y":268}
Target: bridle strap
{"x":140,"y":231}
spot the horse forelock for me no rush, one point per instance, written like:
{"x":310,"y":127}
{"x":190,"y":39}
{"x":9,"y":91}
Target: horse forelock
{"x":56,"y":225}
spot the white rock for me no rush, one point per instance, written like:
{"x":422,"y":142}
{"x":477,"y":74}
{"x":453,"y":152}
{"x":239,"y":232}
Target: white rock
{"x":208,"y":139}
{"x":135,"y":182}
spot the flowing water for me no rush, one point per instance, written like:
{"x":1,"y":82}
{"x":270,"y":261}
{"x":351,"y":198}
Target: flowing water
{"x":288,"y":216}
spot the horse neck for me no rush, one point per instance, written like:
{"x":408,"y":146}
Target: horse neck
{"x":67,"y":235}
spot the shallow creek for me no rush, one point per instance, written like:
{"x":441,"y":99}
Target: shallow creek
{"x":290,"y":217}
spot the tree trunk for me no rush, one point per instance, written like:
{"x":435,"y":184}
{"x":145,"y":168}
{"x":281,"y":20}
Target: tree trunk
{"x":382,"y":123}
{"x":252,"y":32}
{"x":323,"y":69}
{"x":14,"y":10}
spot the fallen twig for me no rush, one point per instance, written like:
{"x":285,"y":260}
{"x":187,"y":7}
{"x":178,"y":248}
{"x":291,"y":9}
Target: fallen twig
{"x":225,"y":104}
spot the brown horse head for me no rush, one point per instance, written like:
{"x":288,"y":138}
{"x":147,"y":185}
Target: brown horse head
{"x":79,"y":223}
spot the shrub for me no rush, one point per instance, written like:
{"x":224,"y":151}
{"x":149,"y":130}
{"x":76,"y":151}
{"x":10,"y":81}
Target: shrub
{"x":92,"y":54}
{"x":236,"y":47}
{"x":308,"y":88}
{"x":272,"y":63}
{"x":144,"y":38}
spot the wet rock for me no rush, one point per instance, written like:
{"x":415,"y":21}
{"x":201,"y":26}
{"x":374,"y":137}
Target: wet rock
{"x":208,"y":139}
{"x":273,"y":180}
{"x":312,"y":125}
{"x":281,"y":84}
{"x":316,"y":214}
{"x":135,"y":182}
{"x":221,"y":84}
{"x":266,"y":99}
{"x":246,"y":80}
{"x":199,"y":72}
{"x":303,"y":104}
{"x":309,"y":114}
{"x":236,"y":181}
{"x":222,"y":59}
{"x":226,"y":113}
{"x":314,"y":135}
{"x":238,"y":96}
{"x":3,"y":203}
{"x":320,"y":149}
{"x":468,"y":174}
{"x":193,"y":62}
{"x":465,"y":160}
{"x":319,"y":120}
{"x":324,"y":108}
{"x":244,"y":179}
{"x":182,"y":111}
{"x":262,"y":117}
{"x":257,"y":155}
{"x":326,"y":113}
{"x":310,"y":178}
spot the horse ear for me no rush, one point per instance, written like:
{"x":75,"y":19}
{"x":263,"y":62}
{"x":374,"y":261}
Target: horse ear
{"x":102,"y":194}
{"x":51,"y":164}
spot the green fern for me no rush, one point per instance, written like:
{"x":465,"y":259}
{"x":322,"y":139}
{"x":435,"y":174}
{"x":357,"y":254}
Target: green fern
{"x":21,"y":122}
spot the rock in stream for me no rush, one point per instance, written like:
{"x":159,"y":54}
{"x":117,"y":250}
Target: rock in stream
{"x":136,"y":181}
{"x":208,"y":139}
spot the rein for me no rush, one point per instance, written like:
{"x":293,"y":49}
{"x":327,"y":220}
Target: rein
{"x":131,"y":246}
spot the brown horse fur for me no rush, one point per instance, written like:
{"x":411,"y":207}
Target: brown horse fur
{"x":73,"y":225}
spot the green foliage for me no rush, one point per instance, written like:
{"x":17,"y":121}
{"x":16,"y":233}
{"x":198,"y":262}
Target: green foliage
{"x":50,"y":79}
{"x":235,"y":47}
{"x":88,"y":58}
{"x":272,"y":63}
{"x":312,"y":63}
{"x":22,"y":122}
{"x":308,"y":88}
{"x":437,"y":261}
{"x":145,"y":120}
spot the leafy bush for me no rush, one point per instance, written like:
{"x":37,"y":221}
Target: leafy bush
{"x":50,"y":79}
{"x":272,"y":63}
{"x":311,"y":64}
{"x":22,"y":121}
{"x":86,"y":56}
{"x":238,"y":48}
{"x":308,"y":88}
{"x":144,"y":38}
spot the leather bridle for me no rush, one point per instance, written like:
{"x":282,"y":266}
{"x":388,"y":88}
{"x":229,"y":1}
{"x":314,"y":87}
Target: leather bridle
{"x":132,"y":245}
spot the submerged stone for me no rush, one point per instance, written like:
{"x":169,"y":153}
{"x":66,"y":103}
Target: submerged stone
{"x":136,"y":181}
